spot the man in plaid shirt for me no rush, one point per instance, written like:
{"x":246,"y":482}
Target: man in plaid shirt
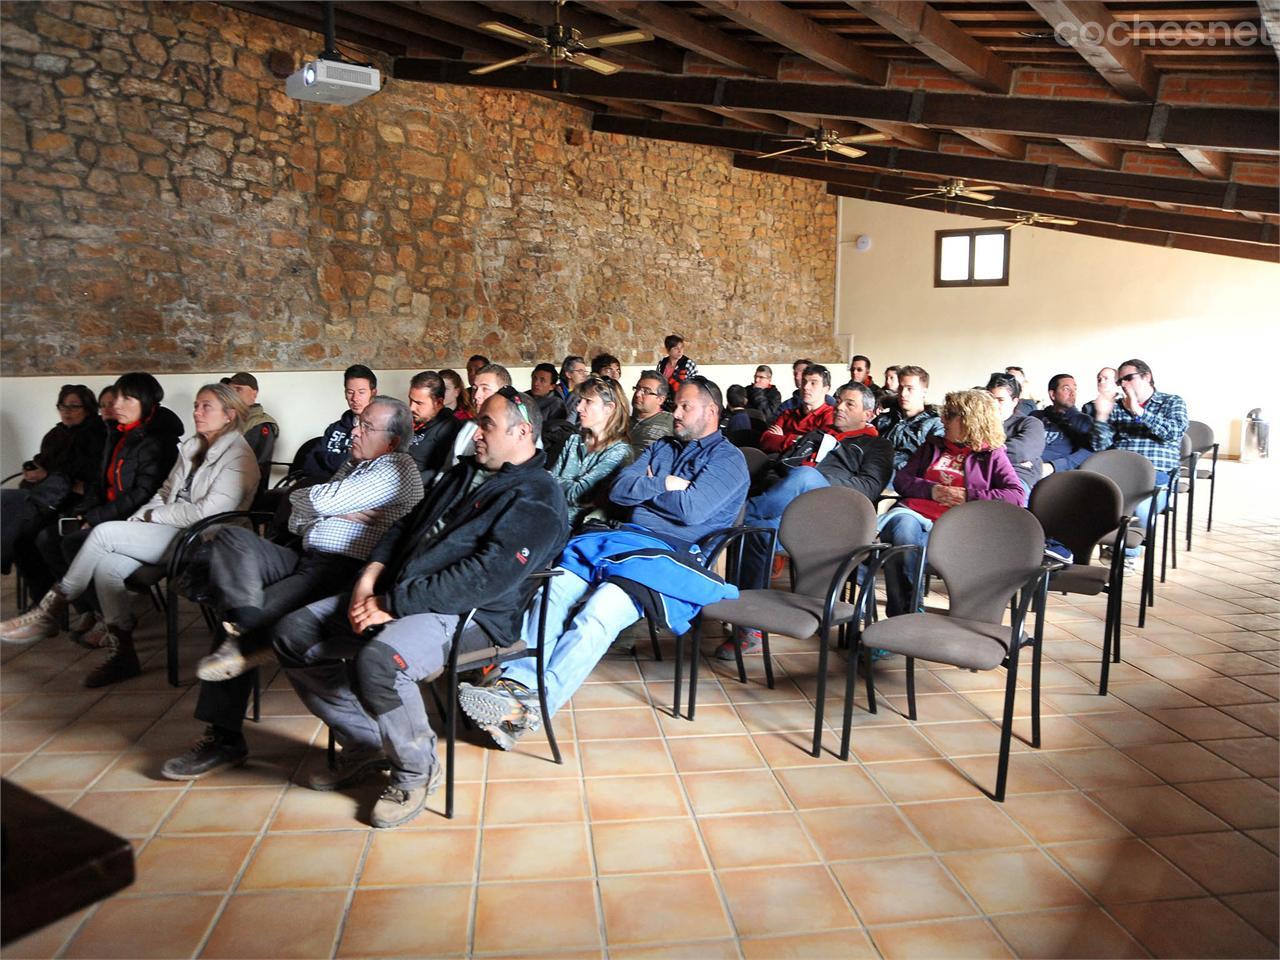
{"x":253,"y":582}
{"x":1145,"y":421}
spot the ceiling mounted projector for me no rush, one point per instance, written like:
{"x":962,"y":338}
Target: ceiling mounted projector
{"x":333,"y":81}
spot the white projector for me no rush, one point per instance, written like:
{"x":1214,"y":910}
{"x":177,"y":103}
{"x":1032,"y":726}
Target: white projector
{"x":330,"y":81}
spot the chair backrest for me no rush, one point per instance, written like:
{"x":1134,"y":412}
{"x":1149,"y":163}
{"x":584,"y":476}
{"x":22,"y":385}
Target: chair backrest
{"x":819,"y":529}
{"x":984,"y":551}
{"x":757,"y":460}
{"x":1133,"y":473}
{"x":1077,"y":509}
{"x":304,"y":451}
{"x":1186,"y":448}
{"x":1201,"y":435}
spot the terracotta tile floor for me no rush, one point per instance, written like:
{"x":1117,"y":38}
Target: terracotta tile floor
{"x":1146,"y":825}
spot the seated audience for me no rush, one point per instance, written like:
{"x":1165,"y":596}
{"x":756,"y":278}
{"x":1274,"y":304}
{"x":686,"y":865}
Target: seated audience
{"x":814,"y":412}
{"x":455,"y":395}
{"x":434,"y":430}
{"x":1107,"y":385}
{"x":251,"y":582}
{"x":910,"y":421}
{"x":891,"y":379}
{"x":475,"y":363}
{"x":735,"y":419}
{"x":848,"y":453}
{"x":260,"y":428}
{"x":1066,"y":429}
{"x":1025,"y":406}
{"x":678,"y":490}
{"x":360,"y":385}
{"x":675,"y":366}
{"x":215,"y":472}
{"x":967,"y":462}
{"x":798,"y":367}
{"x":542,"y":387}
{"x":762,"y":395}
{"x":860,"y":371}
{"x":1023,"y":435}
{"x":356,"y":659}
{"x":600,"y":448}
{"x":489,"y":380}
{"x":573,"y":372}
{"x":65,"y":467}
{"x":607,"y":365}
{"x":649,"y":421}
{"x":107,"y":405}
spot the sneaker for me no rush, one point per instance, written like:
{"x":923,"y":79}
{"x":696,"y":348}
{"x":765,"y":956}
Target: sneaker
{"x":231,"y":629}
{"x":506,"y":735}
{"x":94,"y":637}
{"x":502,"y":702}
{"x":211,"y":752}
{"x":744,"y":639}
{"x":228,"y":662}
{"x":39,"y":622}
{"x":398,"y":805}
{"x":121,"y":664}
{"x":1130,"y":565}
{"x":346,"y":771}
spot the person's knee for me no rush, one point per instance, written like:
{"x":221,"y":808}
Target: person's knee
{"x":378,"y":669}
{"x":293,"y":636}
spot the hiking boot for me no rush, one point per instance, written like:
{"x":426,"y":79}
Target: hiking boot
{"x":506,"y":710}
{"x":743,"y":638}
{"x":228,"y":662}
{"x":215,"y":750}
{"x":95,"y":637}
{"x":121,"y":663}
{"x":398,"y":805}
{"x":347,"y":771}
{"x":41,"y":621}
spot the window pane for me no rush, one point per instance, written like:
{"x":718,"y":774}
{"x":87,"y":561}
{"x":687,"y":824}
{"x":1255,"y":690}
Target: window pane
{"x":988,"y":255}
{"x":955,"y":258}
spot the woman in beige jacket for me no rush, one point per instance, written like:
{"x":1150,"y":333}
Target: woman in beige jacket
{"x":216,"y":471}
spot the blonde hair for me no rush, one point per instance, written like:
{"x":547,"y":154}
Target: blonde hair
{"x":231,"y":404}
{"x":977,"y":408}
{"x":610,"y":393}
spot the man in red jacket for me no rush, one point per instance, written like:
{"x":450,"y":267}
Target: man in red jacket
{"x":814,"y":412}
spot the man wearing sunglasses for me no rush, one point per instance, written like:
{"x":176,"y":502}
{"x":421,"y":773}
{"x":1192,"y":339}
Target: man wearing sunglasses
{"x":356,"y":659}
{"x":649,"y":421}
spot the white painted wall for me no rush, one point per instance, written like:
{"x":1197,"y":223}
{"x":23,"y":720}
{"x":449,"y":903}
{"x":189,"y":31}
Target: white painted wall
{"x":1206,"y":324}
{"x":304,"y":402}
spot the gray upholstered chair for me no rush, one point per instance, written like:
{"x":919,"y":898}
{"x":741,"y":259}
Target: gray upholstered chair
{"x":829,"y":533}
{"x":988,"y":553}
{"x":1202,"y":445}
{"x":1135,"y":475}
{"x":1079,"y":510}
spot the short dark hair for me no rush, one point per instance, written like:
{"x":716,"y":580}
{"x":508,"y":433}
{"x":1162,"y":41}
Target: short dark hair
{"x":817,"y":369}
{"x":707,"y":388}
{"x":1139,"y":366}
{"x":1011,"y":369}
{"x":518,"y":401}
{"x":802,"y":362}
{"x":1006,"y":380}
{"x":358,"y":371}
{"x":736,"y":395}
{"x":858,"y":356}
{"x":910,"y":370}
{"x":672,"y":340}
{"x":664,"y":389}
{"x":896,"y":369}
{"x":87,"y":397}
{"x":869,"y":398}
{"x":428,"y":380}
{"x":483,"y":360}
{"x":604,"y":360}
{"x":569,"y":361}
{"x":765,"y":369}
{"x":142,"y":387}
{"x":546,"y":368}
{"x":1057,"y":378}
{"x":498,"y":370}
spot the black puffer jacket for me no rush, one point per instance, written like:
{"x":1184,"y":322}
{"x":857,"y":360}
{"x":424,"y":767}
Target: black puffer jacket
{"x":493,"y":537}
{"x":146,"y":455}
{"x":69,"y":455}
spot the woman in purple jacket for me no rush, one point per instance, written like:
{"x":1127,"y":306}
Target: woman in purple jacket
{"x":968,"y":462}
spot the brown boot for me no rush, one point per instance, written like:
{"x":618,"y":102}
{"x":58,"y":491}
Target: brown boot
{"x":43,"y":620}
{"x":121,"y":664}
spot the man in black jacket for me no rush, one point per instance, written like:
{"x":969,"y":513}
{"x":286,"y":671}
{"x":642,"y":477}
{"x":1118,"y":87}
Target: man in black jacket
{"x":849,"y":453}
{"x":434,"y":427}
{"x":489,"y":522}
{"x":359,"y":386}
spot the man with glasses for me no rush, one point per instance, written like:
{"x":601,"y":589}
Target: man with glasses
{"x":251,"y":582}
{"x":356,"y":659}
{"x":649,"y":421}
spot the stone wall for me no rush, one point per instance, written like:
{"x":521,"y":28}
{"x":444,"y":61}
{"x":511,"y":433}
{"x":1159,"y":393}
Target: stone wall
{"x":166,"y":206}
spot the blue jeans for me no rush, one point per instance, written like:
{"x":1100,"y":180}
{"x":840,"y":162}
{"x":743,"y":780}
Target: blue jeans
{"x":1142,"y":512}
{"x":899,"y":526}
{"x":582,"y":621}
{"x":765,"y":510}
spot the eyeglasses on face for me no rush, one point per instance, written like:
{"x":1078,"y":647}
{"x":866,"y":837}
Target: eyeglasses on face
{"x":646,"y":392}
{"x":1129,"y":376}
{"x":367,"y":427}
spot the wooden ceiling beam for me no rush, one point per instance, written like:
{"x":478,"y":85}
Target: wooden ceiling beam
{"x":314,"y":21}
{"x":417,"y":25}
{"x":940,"y":40}
{"x":801,"y":35}
{"x":1190,"y":191}
{"x":686,"y":31}
{"x":1235,"y":129}
{"x":1084,"y":25}
{"x":1095,"y":151}
{"x":1212,"y":163}
{"x":1001,"y":144}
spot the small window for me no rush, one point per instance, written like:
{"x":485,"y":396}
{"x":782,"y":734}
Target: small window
{"x":971,"y":258}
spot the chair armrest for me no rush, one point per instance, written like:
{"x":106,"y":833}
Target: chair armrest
{"x":846,"y":572}
{"x":189,"y":535}
{"x":12,"y":476}
{"x":546,"y":574}
{"x":714,"y":543}
{"x":1036,"y":585}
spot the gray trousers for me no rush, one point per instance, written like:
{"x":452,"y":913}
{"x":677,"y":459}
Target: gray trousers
{"x":112,"y":551}
{"x":376,"y":705}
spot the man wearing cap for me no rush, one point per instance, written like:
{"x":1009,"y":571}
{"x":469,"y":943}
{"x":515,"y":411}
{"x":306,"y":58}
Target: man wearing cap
{"x":356,"y":659}
{"x":679,"y":490}
{"x":260,"y":428}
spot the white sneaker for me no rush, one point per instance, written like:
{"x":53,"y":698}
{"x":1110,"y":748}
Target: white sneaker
{"x":37,"y":623}
{"x":228,"y":662}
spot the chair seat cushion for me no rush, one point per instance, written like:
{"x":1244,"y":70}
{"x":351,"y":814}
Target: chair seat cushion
{"x":1203,"y":474}
{"x":487,"y":653}
{"x":1080,"y":578}
{"x":929,"y":636}
{"x":1133,"y":538}
{"x":146,"y":577}
{"x":776,"y":611}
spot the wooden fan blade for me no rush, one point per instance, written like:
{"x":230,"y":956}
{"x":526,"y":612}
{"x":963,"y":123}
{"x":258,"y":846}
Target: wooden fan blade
{"x":1062,"y":221}
{"x":593,"y":63}
{"x":984,"y":187}
{"x":1016,"y":223}
{"x":614,"y":39}
{"x":481,"y":71}
{"x":865,"y":138}
{"x":851,"y":152}
{"x":502,"y":30}
{"x":778,"y":153}
{"x":921,"y":196}
{"x":974,"y":196}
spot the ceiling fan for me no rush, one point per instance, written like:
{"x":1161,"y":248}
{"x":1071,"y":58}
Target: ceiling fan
{"x":1031,"y":219}
{"x":958,"y":188}
{"x":560,"y":44}
{"x":824,"y":141}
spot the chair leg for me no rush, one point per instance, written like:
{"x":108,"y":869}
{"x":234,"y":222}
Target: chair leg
{"x":871,"y":683}
{"x":542,"y":706}
{"x":1006,"y":727}
{"x":742,"y":664}
{"x":768,"y":659}
{"x":1173,"y":545}
{"x":694,"y":652}
{"x":1164,"y":545}
{"x":450,"y":741}
{"x":820,"y":706}
{"x":1107,"y":631}
{"x":257,"y":695}
{"x":1191,"y":507}
{"x":171,"y":638}
{"x":678,"y":680}
{"x":911,"y":688}
{"x":850,"y":684}
{"x":331,"y":751}
{"x":653,"y":640}
{"x":1213,"y":483}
